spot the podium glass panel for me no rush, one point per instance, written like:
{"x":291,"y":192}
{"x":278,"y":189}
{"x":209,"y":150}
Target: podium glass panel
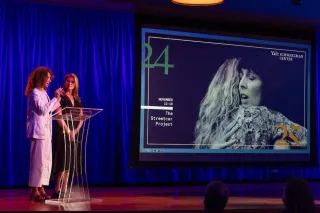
{"x":76,"y":188}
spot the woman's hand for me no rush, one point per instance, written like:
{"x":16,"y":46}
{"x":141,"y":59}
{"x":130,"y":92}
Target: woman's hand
{"x":229,"y":131}
{"x":57,"y":93}
{"x":72,"y":136}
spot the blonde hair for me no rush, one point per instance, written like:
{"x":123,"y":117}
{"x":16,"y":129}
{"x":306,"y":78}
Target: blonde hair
{"x":75,"y":91}
{"x":37,"y":78}
{"x":219,"y":105}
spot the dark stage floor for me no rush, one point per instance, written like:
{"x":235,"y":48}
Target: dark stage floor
{"x":264,"y":197}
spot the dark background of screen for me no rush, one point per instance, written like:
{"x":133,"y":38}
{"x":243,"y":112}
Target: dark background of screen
{"x":195,"y":64}
{"x":244,"y":30}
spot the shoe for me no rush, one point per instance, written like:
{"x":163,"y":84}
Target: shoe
{"x":37,"y":198}
{"x":55,"y":195}
{"x":46,"y":197}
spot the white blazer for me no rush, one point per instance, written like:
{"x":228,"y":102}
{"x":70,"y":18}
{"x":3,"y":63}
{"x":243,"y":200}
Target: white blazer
{"x":40,"y":108}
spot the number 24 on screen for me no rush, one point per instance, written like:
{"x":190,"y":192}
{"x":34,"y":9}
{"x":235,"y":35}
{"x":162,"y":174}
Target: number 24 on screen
{"x":165,"y":65}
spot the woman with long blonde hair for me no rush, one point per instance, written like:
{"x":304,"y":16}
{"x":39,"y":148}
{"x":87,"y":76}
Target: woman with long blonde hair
{"x":64,"y":162}
{"x":232,"y":115}
{"x":217,"y":121}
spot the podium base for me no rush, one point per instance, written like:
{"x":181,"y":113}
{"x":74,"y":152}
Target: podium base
{"x":71,"y":200}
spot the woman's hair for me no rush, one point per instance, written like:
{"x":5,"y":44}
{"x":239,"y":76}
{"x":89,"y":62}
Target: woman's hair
{"x":298,"y":196}
{"x":75,"y":91}
{"x":278,"y":86}
{"x":219,"y":105}
{"x":37,"y":78}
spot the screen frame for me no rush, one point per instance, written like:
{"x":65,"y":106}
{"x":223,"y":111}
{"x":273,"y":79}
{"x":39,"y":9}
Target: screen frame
{"x":244,"y":29}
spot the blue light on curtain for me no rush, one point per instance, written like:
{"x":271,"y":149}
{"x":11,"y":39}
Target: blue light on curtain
{"x":95,"y":45}
{"x":98,"y":46}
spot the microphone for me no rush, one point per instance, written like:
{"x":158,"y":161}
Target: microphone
{"x":54,"y":89}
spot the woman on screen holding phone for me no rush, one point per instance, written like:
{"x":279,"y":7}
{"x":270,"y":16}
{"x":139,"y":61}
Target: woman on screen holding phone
{"x":231,"y":115}
{"x":64,"y":162}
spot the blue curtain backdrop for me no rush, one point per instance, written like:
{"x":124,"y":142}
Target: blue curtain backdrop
{"x":98,"y":47}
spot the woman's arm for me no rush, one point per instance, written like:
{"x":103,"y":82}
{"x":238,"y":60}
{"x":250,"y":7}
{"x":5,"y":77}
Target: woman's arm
{"x":79,"y":124}
{"x":77,"y":129}
{"x":61,"y":121}
{"x":41,"y":106}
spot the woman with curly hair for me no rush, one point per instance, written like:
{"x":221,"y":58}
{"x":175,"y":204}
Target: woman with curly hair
{"x":39,"y":130}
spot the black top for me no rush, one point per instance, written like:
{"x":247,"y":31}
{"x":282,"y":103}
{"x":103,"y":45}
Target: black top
{"x":60,"y":162}
{"x":66,"y":102}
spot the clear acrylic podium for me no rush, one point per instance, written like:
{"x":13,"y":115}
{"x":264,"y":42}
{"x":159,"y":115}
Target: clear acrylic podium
{"x":77,"y":185}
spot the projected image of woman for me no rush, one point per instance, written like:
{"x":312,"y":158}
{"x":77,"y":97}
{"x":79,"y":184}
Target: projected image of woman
{"x":231,"y":115}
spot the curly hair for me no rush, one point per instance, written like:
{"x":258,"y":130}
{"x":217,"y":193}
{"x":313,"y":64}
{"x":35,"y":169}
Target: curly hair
{"x":219,"y":105}
{"x":37,"y":78}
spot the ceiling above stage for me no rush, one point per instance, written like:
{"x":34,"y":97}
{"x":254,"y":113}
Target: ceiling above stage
{"x":307,"y":12}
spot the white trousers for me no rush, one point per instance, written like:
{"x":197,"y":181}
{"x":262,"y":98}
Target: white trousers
{"x":40,"y":162}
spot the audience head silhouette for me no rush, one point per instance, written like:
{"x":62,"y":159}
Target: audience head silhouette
{"x":298,"y":196}
{"x":216,"y":197}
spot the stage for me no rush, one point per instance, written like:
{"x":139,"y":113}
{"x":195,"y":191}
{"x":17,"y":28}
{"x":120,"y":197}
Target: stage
{"x":262,"y":197}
